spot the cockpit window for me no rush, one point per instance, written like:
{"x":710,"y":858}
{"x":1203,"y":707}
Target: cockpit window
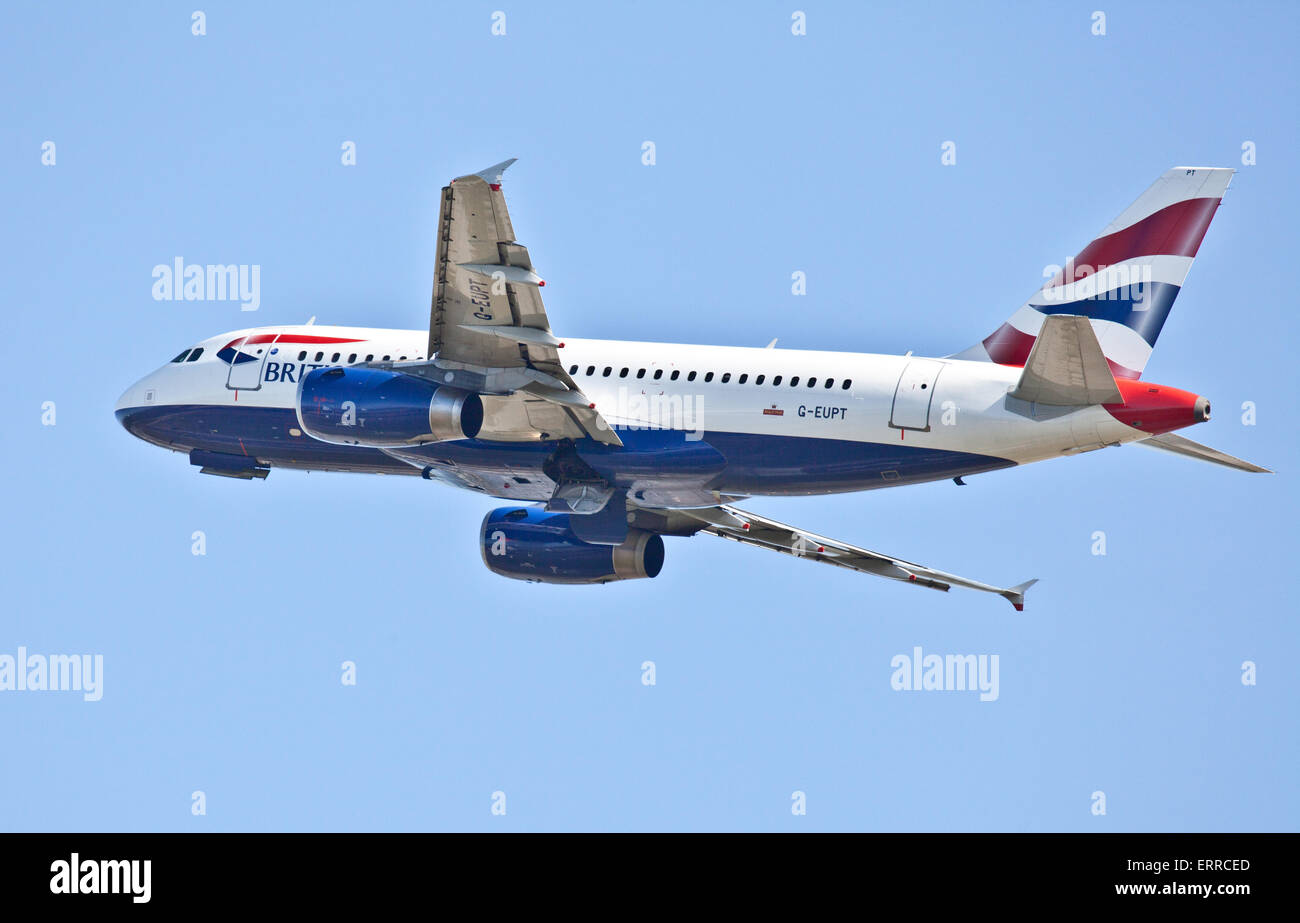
{"x":194,"y":354}
{"x":181,"y":357}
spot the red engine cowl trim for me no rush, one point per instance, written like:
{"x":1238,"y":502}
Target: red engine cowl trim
{"x":1157,"y":409}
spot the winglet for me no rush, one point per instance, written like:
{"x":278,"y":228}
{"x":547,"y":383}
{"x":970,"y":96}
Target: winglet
{"x":1016,"y":594}
{"x":492,"y":175}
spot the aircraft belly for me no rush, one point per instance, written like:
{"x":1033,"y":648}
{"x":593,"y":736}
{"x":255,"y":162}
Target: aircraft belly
{"x":742,"y":463}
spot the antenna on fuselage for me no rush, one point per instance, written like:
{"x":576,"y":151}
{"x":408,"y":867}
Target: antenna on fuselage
{"x":312,"y":320}
{"x":772,"y":344}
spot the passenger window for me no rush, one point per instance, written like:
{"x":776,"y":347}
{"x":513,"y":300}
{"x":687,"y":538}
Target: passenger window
{"x":726,"y":377}
{"x":386,"y":358}
{"x":794,"y":381}
{"x":744,"y":376}
{"x":759,"y":379}
{"x":690,"y":377}
{"x":812,"y":382}
{"x":623,"y":374}
{"x":640,"y":373}
{"x":675,"y":373}
{"x":776,"y":380}
{"x":181,"y":357}
{"x":573,"y":370}
{"x":352,"y":358}
{"x":847,"y":383}
{"x":370,"y":357}
{"x":401,"y":359}
{"x":302,"y":355}
{"x":605,"y":374}
{"x":194,"y":355}
{"x":336,"y":357}
{"x":591,"y":370}
{"x":830,"y":383}
{"x":659,"y":373}
{"x":320,"y":356}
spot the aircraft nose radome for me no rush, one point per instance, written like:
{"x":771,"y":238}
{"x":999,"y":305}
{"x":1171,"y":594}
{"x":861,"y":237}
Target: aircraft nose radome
{"x":124,"y":402}
{"x":137,"y":420}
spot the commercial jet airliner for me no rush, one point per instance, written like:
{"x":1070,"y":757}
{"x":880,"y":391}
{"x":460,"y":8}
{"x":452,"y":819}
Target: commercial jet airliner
{"x":607,"y":446}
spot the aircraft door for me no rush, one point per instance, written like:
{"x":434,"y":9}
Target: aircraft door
{"x":247,"y":363}
{"x":914,"y":394}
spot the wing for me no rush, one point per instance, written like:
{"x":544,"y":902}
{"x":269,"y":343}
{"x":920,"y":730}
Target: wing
{"x":741,"y":526}
{"x":487,"y":316}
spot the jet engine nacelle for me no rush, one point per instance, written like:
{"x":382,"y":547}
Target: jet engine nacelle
{"x":528,"y":543}
{"x":373,"y":407}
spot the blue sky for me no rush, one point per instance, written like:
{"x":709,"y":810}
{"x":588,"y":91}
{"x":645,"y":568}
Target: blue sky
{"x":774,"y":153}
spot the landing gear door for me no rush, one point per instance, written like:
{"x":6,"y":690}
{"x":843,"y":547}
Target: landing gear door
{"x":246,"y":365}
{"x":914,"y":394}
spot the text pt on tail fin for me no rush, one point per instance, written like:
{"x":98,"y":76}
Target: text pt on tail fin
{"x":1125,"y":281}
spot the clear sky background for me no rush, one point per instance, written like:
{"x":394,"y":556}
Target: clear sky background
{"x":775,"y":153}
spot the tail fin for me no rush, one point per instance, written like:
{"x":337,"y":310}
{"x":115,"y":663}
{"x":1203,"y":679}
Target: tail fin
{"x":1126,"y":280}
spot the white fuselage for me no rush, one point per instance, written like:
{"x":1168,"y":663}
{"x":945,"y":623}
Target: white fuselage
{"x":746,"y":401}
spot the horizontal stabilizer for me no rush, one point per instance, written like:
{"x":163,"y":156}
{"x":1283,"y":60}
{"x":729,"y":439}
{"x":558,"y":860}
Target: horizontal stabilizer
{"x":1172,"y":442}
{"x":1016,"y":594}
{"x":1066,"y":367}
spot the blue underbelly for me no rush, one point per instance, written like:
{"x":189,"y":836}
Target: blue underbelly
{"x":731,"y":462}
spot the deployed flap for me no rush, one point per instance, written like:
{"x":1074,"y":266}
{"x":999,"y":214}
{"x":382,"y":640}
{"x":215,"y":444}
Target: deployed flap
{"x":487,"y":312}
{"x":1172,"y":442}
{"x":484,"y":278}
{"x":1066,"y":367}
{"x":741,"y":526}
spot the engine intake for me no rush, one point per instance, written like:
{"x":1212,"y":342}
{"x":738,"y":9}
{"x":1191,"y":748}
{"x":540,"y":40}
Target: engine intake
{"x":528,"y":543}
{"x":374,"y":407}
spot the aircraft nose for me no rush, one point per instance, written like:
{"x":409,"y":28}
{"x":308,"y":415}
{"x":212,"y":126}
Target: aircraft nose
{"x":124,"y":402}
{"x":134,"y":404}
{"x":128,"y":410}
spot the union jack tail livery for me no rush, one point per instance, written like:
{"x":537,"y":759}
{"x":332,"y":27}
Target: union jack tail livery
{"x":1126,"y":280}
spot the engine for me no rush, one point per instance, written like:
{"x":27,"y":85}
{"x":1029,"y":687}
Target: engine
{"x":360,"y":406}
{"x":529,"y":543}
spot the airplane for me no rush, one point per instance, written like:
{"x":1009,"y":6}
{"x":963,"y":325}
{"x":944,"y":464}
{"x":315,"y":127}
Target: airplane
{"x":606,"y":447}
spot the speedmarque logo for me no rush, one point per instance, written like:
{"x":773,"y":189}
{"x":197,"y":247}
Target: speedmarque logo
{"x":102,"y":876}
